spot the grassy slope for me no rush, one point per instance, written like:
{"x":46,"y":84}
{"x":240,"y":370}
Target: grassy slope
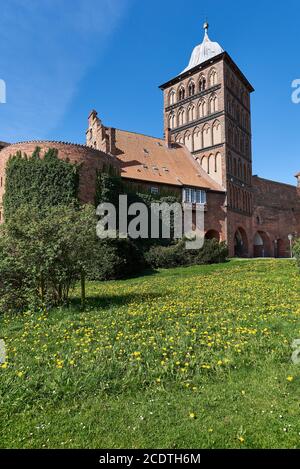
{"x":214,"y":341}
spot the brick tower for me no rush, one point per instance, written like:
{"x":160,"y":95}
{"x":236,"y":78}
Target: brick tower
{"x":207,"y":108}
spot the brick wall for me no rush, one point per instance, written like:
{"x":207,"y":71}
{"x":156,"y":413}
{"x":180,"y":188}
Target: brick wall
{"x":89,"y":159}
{"x":276,"y":212}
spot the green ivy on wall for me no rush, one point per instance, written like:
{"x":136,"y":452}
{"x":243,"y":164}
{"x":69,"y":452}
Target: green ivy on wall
{"x":39,"y":182}
{"x":110,"y":185}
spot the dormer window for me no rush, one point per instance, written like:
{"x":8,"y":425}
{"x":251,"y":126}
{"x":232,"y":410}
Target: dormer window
{"x":194,"y":196}
{"x":154,"y":190}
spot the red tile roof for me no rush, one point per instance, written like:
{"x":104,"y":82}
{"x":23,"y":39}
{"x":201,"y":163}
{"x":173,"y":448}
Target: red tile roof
{"x":149,"y":159}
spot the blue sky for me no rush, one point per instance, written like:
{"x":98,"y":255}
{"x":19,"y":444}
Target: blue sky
{"x":61,"y":58}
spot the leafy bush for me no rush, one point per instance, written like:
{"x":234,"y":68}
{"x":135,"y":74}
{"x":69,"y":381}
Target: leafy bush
{"x":42,"y":254}
{"x":177,"y":255}
{"x":16,"y":287}
{"x":212,"y":252}
{"x":116,"y":259}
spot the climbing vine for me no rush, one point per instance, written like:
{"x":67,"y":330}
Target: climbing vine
{"x":39,"y":182}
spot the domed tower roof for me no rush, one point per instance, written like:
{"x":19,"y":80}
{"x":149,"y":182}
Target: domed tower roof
{"x":204,"y":51}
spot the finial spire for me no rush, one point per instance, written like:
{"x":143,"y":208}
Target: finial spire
{"x":206,"y":26}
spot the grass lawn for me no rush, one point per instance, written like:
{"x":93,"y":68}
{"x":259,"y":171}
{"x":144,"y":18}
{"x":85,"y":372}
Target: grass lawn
{"x":197,"y":357}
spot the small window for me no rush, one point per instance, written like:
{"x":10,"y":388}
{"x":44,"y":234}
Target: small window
{"x":154,"y":190}
{"x":194,"y":196}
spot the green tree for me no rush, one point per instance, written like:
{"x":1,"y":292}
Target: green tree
{"x":44,"y":254}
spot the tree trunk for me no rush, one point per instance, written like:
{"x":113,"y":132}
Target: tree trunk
{"x":42,"y":288}
{"x":60,"y":292}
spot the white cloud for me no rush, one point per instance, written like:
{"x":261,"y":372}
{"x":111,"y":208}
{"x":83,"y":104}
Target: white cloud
{"x":46,"y":47}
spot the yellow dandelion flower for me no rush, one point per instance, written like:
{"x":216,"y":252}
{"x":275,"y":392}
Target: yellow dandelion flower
{"x":290,"y":378}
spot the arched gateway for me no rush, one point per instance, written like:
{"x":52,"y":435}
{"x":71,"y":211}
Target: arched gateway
{"x":261,"y":245}
{"x":240,"y":243}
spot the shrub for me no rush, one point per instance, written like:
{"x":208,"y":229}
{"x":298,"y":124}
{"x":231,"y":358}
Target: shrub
{"x":43,"y":254}
{"x":16,"y":287}
{"x":212,"y":252}
{"x":177,"y":255}
{"x":116,"y":259}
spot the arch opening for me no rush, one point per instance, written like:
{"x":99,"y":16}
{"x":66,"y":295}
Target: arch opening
{"x":213,"y":234}
{"x":261,"y":245}
{"x":240,"y":243}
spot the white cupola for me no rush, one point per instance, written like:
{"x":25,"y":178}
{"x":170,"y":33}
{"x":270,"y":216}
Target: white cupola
{"x":204,"y":51}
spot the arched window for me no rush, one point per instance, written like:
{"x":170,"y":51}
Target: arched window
{"x":204,"y":163}
{"x":179,"y":139}
{"x":206,"y":132}
{"x":213,"y":104}
{"x":234,"y":167}
{"x":191,"y":88}
{"x":247,"y":147}
{"x":202,"y":83}
{"x":230,"y":136}
{"x":229,"y":163}
{"x":191,"y":113}
{"x":210,"y":164}
{"x":188,"y":141}
{"x":216,"y":162}
{"x":172,"y":121}
{"x":217,"y":133}
{"x":213,"y":78}
{"x":181,"y":93}
{"x":172,"y":97}
{"x":202,"y":108}
{"x":181,"y":117}
{"x":235,"y":133}
{"x":240,"y":169}
{"x":197,"y":139}
{"x":247,"y":122}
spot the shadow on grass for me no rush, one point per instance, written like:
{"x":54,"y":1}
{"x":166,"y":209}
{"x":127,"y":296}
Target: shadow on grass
{"x":103,"y":301}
